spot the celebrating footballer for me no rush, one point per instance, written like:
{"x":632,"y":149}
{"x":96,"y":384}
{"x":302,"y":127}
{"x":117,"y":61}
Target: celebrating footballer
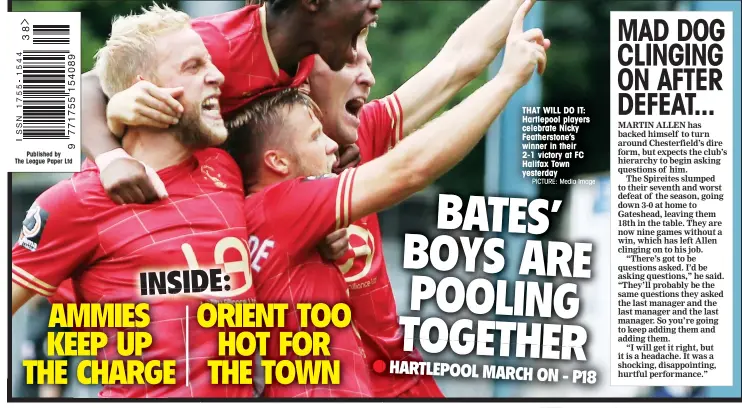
{"x":245,"y":141}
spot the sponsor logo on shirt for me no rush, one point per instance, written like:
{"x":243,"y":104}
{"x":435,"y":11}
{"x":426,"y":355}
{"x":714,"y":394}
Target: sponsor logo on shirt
{"x":362,"y":285}
{"x":355,"y":265}
{"x":32,"y":227}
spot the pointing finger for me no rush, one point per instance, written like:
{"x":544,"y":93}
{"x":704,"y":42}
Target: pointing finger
{"x":520,"y":16}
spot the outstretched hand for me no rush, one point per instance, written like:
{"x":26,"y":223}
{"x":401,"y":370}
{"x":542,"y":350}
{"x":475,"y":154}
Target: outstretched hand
{"x":525,"y":51}
{"x":144,"y":104}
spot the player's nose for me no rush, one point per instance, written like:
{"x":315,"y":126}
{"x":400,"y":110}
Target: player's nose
{"x":214,"y":76}
{"x":331,"y":147}
{"x":374,"y":5}
{"x":366,"y":78}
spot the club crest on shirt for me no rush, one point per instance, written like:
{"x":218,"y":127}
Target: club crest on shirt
{"x":212,"y":174}
{"x":32,"y":227}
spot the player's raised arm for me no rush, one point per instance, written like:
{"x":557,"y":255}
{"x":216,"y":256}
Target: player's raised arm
{"x":433,"y":150}
{"x":286,"y":159}
{"x":466,"y":54}
{"x":96,"y":137}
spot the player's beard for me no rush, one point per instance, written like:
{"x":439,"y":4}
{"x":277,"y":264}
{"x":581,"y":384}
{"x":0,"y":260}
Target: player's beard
{"x":303,"y":169}
{"x":193,"y":131}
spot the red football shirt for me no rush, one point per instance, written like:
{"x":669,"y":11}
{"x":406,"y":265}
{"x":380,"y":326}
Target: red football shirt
{"x":285,"y":223}
{"x":372,"y":300}
{"x":74,"y":231}
{"x":239,"y":47}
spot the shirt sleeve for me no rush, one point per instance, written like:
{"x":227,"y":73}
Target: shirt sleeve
{"x":58,"y":238}
{"x":381,"y":127}
{"x":310,"y":208}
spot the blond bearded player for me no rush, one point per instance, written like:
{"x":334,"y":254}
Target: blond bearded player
{"x":257,"y":48}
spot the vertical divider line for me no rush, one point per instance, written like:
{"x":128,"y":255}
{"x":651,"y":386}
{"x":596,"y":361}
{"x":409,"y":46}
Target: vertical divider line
{"x":188,"y":360}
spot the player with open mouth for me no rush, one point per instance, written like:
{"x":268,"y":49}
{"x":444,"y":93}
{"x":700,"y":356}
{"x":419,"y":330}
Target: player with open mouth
{"x":258,"y":48}
{"x":293,"y":202}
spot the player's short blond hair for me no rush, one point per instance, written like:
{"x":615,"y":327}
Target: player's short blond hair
{"x":130,"y":49}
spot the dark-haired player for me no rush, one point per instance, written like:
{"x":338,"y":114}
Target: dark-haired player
{"x":74,"y":232}
{"x":293,"y":201}
{"x":258,"y":49}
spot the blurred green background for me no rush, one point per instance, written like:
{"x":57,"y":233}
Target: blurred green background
{"x":409,"y":35}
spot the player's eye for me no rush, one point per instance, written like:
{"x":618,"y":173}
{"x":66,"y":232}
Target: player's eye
{"x":192,"y":66}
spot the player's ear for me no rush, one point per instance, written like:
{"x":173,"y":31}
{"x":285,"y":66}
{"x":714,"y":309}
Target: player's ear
{"x":136,"y":80}
{"x":276,"y":161}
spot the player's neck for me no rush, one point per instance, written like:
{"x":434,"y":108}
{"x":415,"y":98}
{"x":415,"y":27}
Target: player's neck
{"x":287,"y":36}
{"x":265,"y":180}
{"x":157,"y":149}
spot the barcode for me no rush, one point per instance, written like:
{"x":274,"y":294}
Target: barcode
{"x":51,"y":34}
{"x":44,"y":94}
{"x":45,"y":52}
